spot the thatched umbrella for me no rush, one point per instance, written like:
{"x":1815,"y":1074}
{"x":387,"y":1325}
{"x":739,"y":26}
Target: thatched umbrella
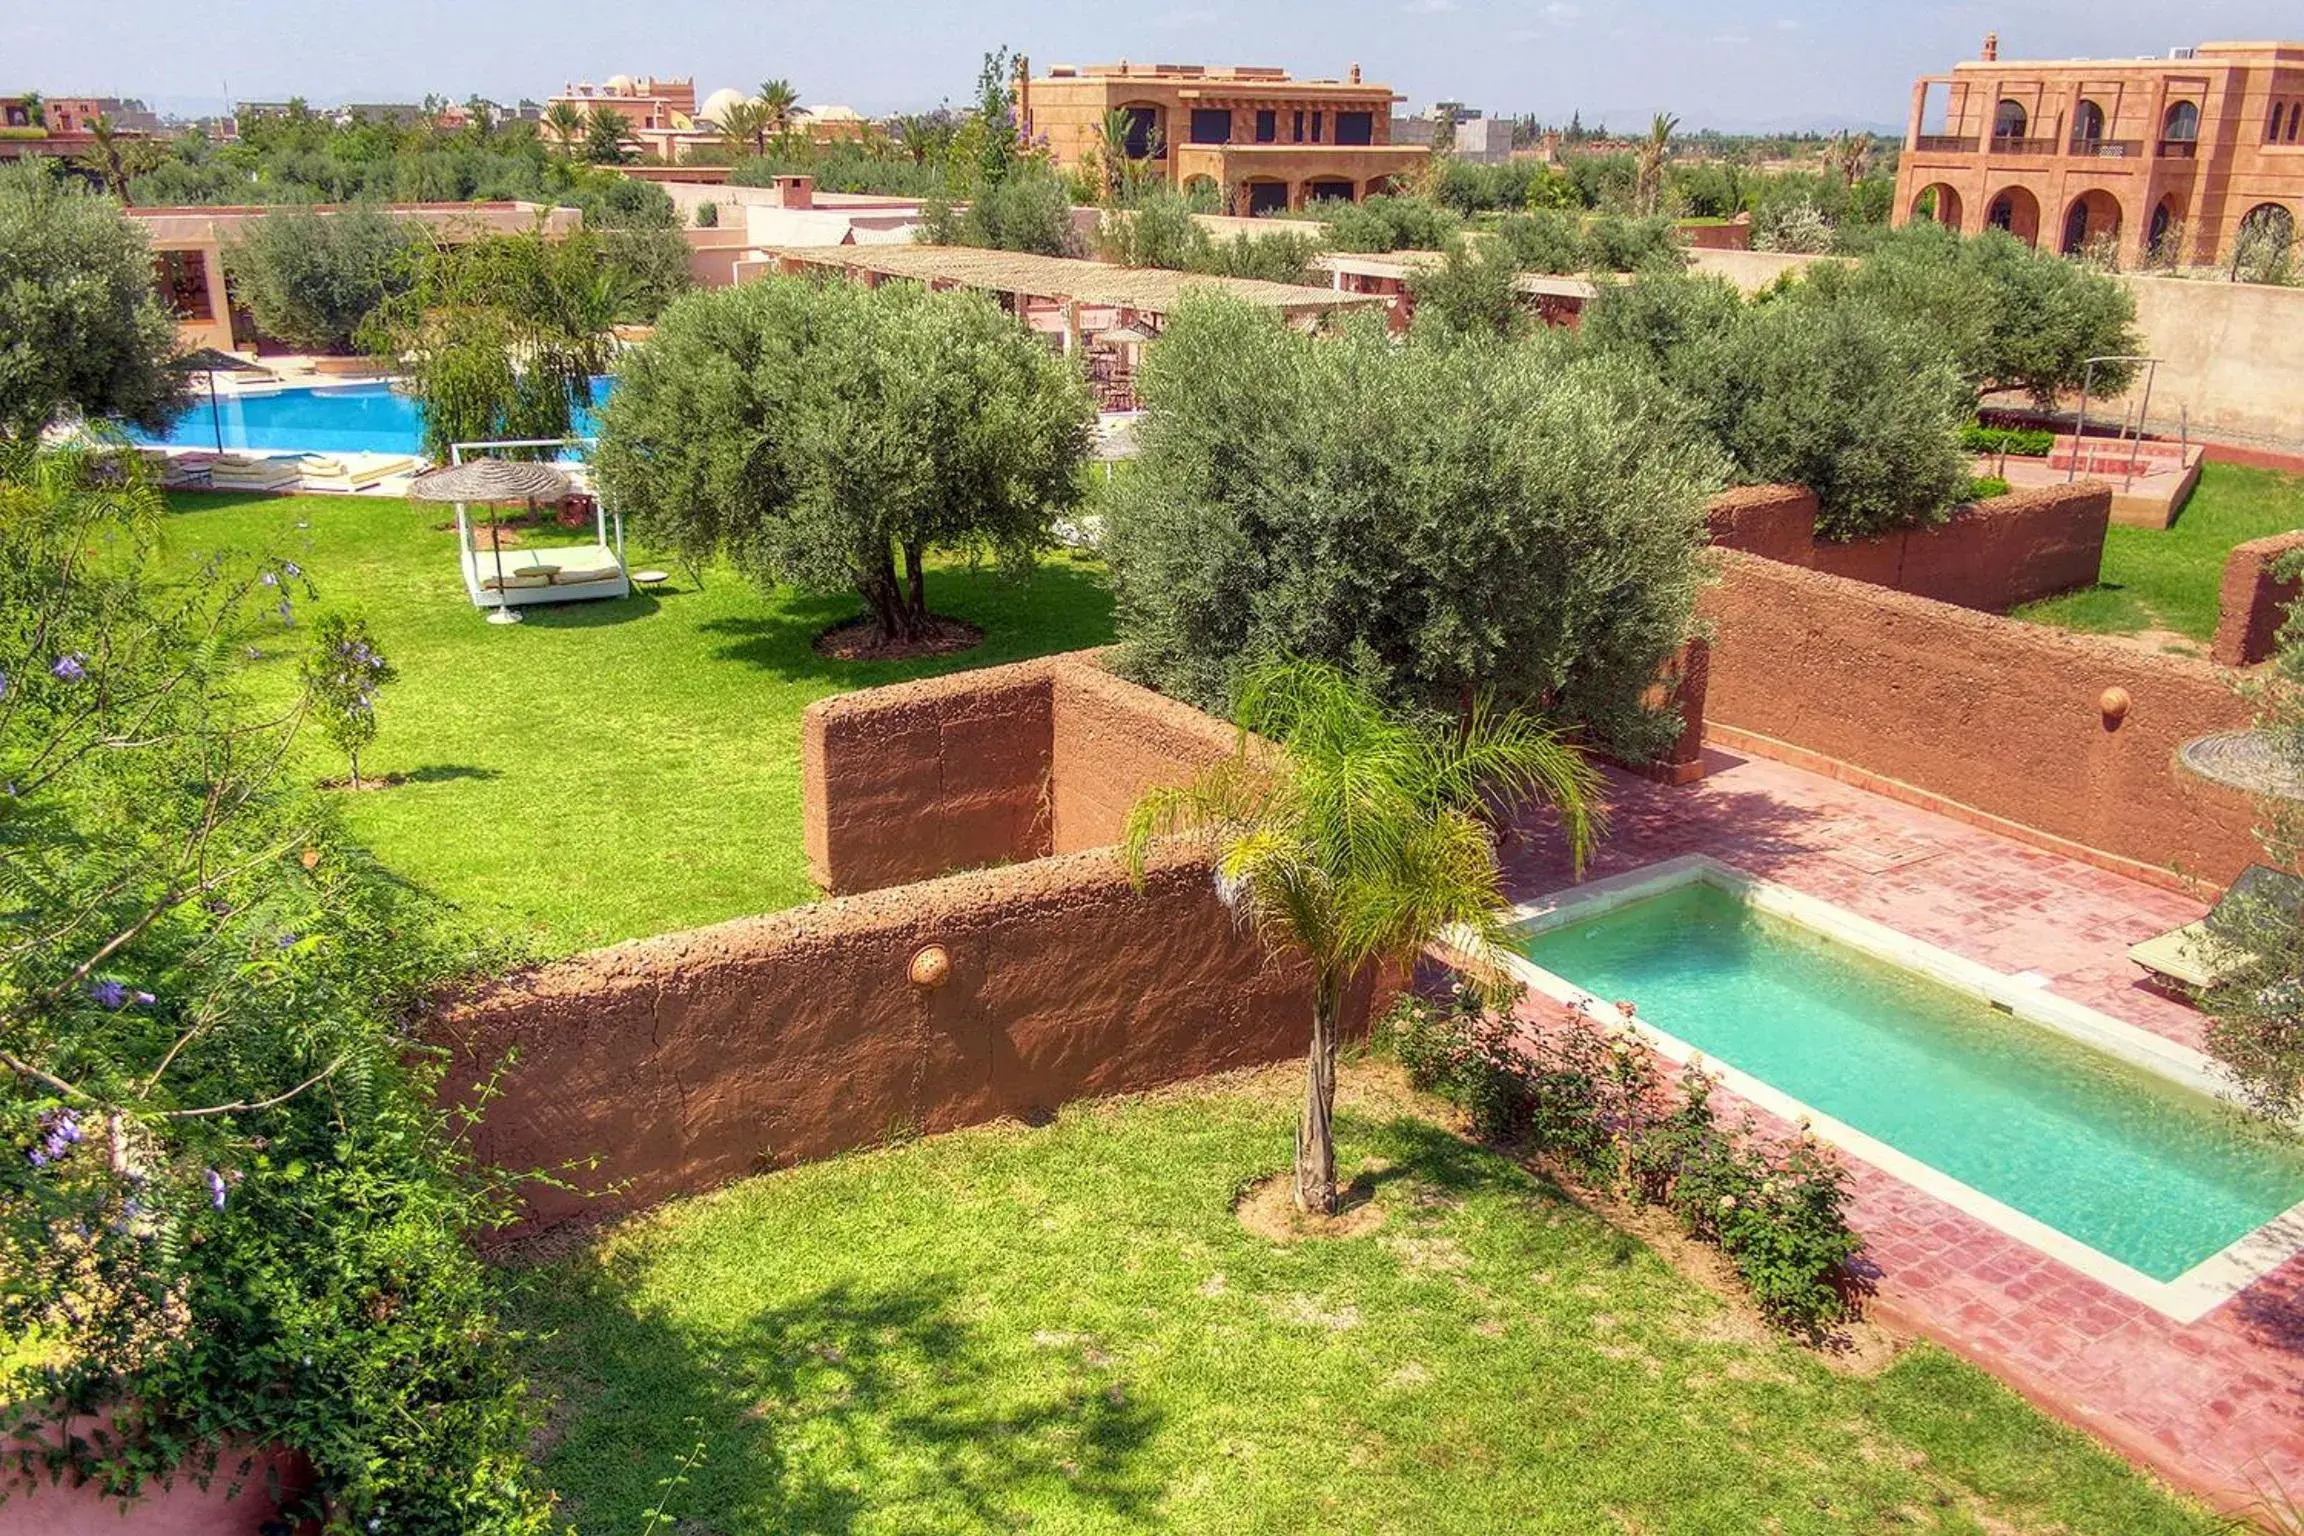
{"x":211,"y":362}
{"x":493,"y":482}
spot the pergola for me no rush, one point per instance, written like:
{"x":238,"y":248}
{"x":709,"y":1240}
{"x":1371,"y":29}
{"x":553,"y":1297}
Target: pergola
{"x":1141,"y":297}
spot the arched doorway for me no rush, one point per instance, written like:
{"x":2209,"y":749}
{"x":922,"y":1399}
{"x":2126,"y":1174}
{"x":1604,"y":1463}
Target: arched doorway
{"x":2164,"y":239}
{"x":1263,"y":196}
{"x":1328,"y":190}
{"x":2092,"y":219}
{"x":2264,"y":246}
{"x":2087,"y":128}
{"x":1939,"y":203}
{"x":1144,"y":136}
{"x":2009,"y":120}
{"x":2018,"y":212}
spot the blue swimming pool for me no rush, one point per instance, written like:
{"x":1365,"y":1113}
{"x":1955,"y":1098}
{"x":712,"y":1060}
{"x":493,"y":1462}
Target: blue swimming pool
{"x":2129,"y":1163}
{"x":332,"y":418}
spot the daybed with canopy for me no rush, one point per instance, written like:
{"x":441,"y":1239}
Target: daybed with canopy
{"x":501,"y":579}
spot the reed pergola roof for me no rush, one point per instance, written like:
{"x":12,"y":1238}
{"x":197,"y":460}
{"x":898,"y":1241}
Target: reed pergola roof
{"x":1153,"y":290}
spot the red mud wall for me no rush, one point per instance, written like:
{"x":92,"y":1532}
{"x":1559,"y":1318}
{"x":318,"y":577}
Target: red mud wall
{"x":2002,"y":717}
{"x":1991,"y":556}
{"x":692,"y":1059}
{"x":958,"y":766}
{"x":2254,"y":601}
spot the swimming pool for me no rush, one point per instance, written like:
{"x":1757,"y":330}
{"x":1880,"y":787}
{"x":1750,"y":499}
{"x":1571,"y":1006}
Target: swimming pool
{"x":327,"y":418}
{"x":2067,"y":1128}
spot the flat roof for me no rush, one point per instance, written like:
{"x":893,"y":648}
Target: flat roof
{"x":1062,"y":277}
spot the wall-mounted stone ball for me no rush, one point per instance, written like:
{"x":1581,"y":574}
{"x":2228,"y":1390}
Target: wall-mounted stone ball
{"x":931,"y":968}
{"x":2114,"y":703}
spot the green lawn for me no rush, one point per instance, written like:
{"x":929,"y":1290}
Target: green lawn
{"x":604,"y":770}
{"x":2168,"y":578}
{"x":1065,"y":1329}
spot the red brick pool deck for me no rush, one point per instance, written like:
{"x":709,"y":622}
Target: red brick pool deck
{"x":2215,"y":1406}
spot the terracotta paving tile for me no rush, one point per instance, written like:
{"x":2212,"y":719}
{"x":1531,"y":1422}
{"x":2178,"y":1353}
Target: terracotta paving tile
{"x":2216,"y":1406}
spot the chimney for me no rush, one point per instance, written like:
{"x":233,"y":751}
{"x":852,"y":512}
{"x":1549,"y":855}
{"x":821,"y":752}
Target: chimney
{"x":1991,"y":46}
{"x":1355,"y":77}
{"x":796,"y":191}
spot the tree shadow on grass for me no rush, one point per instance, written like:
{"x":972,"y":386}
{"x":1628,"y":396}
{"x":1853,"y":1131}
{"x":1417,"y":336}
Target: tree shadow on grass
{"x":1061,"y":606}
{"x":866,"y":1402}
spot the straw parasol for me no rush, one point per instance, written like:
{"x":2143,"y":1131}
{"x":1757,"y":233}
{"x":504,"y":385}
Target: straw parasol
{"x":211,"y":362}
{"x":493,"y":481}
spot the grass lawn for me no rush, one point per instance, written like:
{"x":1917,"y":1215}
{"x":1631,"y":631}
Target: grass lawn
{"x":2167,"y":579}
{"x":1066,"y":1329}
{"x":605,"y":770}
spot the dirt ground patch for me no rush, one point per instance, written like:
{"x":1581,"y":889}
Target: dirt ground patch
{"x":1268,"y":1209}
{"x":859,"y":640}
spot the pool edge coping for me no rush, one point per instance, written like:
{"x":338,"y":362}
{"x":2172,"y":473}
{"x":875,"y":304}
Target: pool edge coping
{"x":2185,"y":1299}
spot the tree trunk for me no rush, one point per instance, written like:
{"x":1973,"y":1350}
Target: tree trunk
{"x":916,"y":585}
{"x":1315,"y":1131}
{"x":884,"y":596}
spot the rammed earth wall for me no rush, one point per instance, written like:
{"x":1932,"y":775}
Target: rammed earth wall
{"x":692,"y":1059}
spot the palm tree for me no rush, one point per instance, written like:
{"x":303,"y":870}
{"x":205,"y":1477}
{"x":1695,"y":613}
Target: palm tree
{"x":744,"y":126}
{"x":778,"y":102}
{"x":1358,"y":837}
{"x":116,"y":160}
{"x":604,"y":135}
{"x":1648,"y":184}
{"x":564,"y":120}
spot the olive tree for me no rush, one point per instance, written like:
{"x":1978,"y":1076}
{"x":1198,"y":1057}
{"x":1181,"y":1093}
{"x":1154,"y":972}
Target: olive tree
{"x":2013,"y":317}
{"x":1437,"y":521}
{"x":817,"y":432}
{"x":311,"y":278}
{"x":82,"y":332}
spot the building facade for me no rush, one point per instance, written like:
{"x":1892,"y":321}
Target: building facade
{"x":2168,"y":159}
{"x":1265,"y":142}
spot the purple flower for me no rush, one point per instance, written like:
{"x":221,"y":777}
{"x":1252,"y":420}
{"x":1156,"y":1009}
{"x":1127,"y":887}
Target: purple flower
{"x":71,"y":669}
{"x":108,"y":994}
{"x":146,"y":1000}
{"x":215,"y":1189}
{"x":287,"y":612}
{"x":286,"y":941}
{"x":269,"y":579}
{"x":59,"y":1134}
{"x":3,"y":685}
{"x":292,"y":568}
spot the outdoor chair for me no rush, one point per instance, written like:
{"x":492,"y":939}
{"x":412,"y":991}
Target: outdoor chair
{"x":2187,"y":956}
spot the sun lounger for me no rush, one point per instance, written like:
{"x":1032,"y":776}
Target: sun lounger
{"x":2189,"y":956}
{"x":322,"y":472}
{"x":239,"y":472}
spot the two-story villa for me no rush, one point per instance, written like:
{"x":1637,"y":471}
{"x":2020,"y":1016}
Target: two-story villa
{"x":1266,"y":142}
{"x":2170,"y":157}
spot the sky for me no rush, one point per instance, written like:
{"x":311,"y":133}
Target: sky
{"x":1737,"y":65}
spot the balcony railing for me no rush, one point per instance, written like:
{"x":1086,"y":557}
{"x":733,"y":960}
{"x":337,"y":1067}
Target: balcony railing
{"x":1944,"y":144}
{"x":2179,"y":149}
{"x":2108,"y":149}
{"x":2010,"y":145}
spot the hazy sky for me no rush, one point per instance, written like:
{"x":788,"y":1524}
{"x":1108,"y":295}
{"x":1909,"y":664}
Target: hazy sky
{"x":1749,"y":63}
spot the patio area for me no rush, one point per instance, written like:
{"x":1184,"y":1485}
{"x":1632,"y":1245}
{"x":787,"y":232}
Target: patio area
{"x":2214,"y":1406}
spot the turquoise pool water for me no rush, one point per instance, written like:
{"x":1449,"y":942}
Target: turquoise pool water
{"x":2137,"y":1168}
{"x":344,"y":418}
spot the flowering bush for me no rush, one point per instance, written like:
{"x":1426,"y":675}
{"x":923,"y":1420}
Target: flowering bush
{"x":1598,"y":1104}
{"x":342,"y":676}
{"x":229,"y":1209}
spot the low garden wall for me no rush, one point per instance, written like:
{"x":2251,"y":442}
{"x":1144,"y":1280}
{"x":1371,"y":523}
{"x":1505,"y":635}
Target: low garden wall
{"x":685,"y":1061}
{"x":2253,"y":602}
{"x":1992,"y":556}
{"x":2069,"y":736}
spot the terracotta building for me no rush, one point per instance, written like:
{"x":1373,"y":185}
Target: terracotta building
{"x":1266,"y":141}
{"x":2169,"y":157}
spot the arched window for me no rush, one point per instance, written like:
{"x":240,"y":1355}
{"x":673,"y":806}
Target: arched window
{"x":2002,"y":213}
{"x":1143,"y":140}
{"x":2268,"y":225}
{"x":2076,"y":228}
{"x":2088,"y":124}
{"x":2182,"y":124}
{"x":2163,"y":222}
{"x":2295,"y":119}
{"x":2010,"y":121}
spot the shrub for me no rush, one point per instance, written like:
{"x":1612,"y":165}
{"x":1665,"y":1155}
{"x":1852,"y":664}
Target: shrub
{"x":707,"y":215}
{"x":1029,"y":211}
{"x":81,"y":330}
{"x":1544,"y":240}
{"x":812,"y":431}
{"x":1158,"y":229}
{"x":229,"y":1199}
{"x":1552,"y":241}
{"x":1469,"y":295}
{"x":1984,"y":488}
{"x":1597,"y":1105}
{"x":2017,"y":442}
{"x":1387,"y":223}
{"x":311,"y":278}
{"x":343,"y":673}
{"x":1798,"y":227}
{"x":1437,"y":521}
